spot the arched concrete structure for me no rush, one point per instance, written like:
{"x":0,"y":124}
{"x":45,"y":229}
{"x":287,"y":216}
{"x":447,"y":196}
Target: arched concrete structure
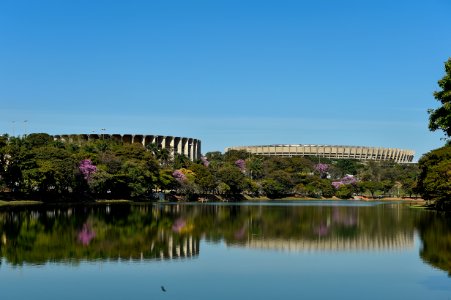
{"x":331,"y":151}
{"x":175,"y":145}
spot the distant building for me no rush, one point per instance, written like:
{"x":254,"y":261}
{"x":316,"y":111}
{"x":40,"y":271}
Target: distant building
{"x":332,"y":151}
{"x":176,"y":145}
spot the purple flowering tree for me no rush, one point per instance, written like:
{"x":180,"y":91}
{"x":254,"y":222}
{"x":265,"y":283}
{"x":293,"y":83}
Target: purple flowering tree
{"x":179,"y":176}
{"x":241,"y":164}
{"x":322,"y":169}
{"x":205,"y":161}
{"x":348,"y":179}
{"x":87,"y":168}
{"x":337,"y":184}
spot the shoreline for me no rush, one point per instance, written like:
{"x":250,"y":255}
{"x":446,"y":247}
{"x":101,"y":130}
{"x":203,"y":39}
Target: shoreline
{"x":418,"y":202}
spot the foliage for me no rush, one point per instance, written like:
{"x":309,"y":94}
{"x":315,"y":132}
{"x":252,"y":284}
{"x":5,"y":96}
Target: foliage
{"x":179,"y":176}
{"x":322,"y":169}
{"x":87,"y":168}
{"x":38,"y":167}
{"x":233,"y":178}
{"x":272,"y":188}
{"x":440,"y":118}
{"x":205,"y":161}
{"x":371,"y":186}
{"x":434,"y":182}
{"x":345,"y":191}
{"x":241,"y":164}
{"x":346,"y":180}
{"x":348,"y":166}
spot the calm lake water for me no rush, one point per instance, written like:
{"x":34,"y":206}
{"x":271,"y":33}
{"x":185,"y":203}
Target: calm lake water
{"x":268,"y":250}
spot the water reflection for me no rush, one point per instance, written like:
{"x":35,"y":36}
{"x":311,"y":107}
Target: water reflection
{"x":146,"y":232}
{"x":86,"y":234}
{"x":435,"y":232}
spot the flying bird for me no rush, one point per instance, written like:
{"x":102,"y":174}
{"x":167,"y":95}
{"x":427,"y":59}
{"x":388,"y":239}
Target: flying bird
{"x":163,"y":289}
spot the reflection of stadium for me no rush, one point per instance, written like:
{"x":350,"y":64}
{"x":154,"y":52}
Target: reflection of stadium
{"x":328,"y":151}
{"x":362,"y":242}
{"x":184,"y":247}
{"x":176,"y":145}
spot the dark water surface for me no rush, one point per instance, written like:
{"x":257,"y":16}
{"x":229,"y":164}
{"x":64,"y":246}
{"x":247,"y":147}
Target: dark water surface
{"x":269,"y":250}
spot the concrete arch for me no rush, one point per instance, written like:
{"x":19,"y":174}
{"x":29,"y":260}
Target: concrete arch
{"x":149,"y":139}
{"x":138,"y":139}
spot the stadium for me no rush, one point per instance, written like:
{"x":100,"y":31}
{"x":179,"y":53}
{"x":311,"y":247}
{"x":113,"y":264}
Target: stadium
{"x":332,"y":151}
{"x":189,"y":147}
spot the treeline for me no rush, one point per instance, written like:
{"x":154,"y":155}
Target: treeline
{"x":38,"y":167}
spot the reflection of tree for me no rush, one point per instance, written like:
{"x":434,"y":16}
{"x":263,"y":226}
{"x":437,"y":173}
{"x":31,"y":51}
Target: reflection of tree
{"x":435,"y":232}
{"x":174,"y":231}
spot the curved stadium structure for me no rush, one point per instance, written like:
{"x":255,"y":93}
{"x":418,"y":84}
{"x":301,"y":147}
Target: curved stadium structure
{"x":331,"y":151}
{"x":176,"y":145}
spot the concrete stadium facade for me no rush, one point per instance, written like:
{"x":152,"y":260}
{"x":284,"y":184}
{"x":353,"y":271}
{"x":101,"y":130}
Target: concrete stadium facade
{"x":189,"y":147}
{"x":330,"y":151}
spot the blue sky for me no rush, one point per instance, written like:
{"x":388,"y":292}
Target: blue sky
{"x":226,"y":72}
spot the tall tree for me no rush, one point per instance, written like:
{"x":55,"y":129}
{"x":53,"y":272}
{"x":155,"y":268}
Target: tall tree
{"x":440,"y":118}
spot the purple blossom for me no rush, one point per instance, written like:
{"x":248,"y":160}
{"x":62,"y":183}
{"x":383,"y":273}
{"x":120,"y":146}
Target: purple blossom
{"x":322,"y":168}
{"x":241,"y":164}
{"x":179,"y":176}
{"x":87,"y":168}
{"x":337,"y":184}
{"x":86,"y":234}
{"x":348,"y":179}
{"x":205,"y":161}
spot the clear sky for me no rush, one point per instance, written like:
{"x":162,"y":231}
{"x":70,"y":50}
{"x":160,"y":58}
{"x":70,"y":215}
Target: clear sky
{"x":229,"y":72}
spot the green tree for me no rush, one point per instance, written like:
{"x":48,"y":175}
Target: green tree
{"x":434,"y":182}
{"x":347,"y":166}
{"x":371,"y":186}
{"x":204,"y":179}
{"x":232,"y":177}
{"x":440,"y":118}
{"x":255,"y":166}
{"x":34,"y":140}
{"x":273,"y":188}
{"x":345,"y":191}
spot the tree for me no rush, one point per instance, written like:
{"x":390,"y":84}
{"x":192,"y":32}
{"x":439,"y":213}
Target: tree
{"x":440,"y":118}
{"x":34,"y":140}
{"x":233,"y":178}
{"x":434,"y":182}
{"x":345,"y":191}
{"x":255,"y":166}
{"x":272,"y":188}
{"x":371,"y":186}
{"x":348,"y":166}
{"x":203,"y":179}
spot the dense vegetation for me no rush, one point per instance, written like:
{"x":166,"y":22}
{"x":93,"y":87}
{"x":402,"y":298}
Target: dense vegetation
{"x":37,"y":167}
{"x":435,"y":179}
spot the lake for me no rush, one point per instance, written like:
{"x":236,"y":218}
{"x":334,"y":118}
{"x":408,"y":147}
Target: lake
{"x":257,"y":250}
